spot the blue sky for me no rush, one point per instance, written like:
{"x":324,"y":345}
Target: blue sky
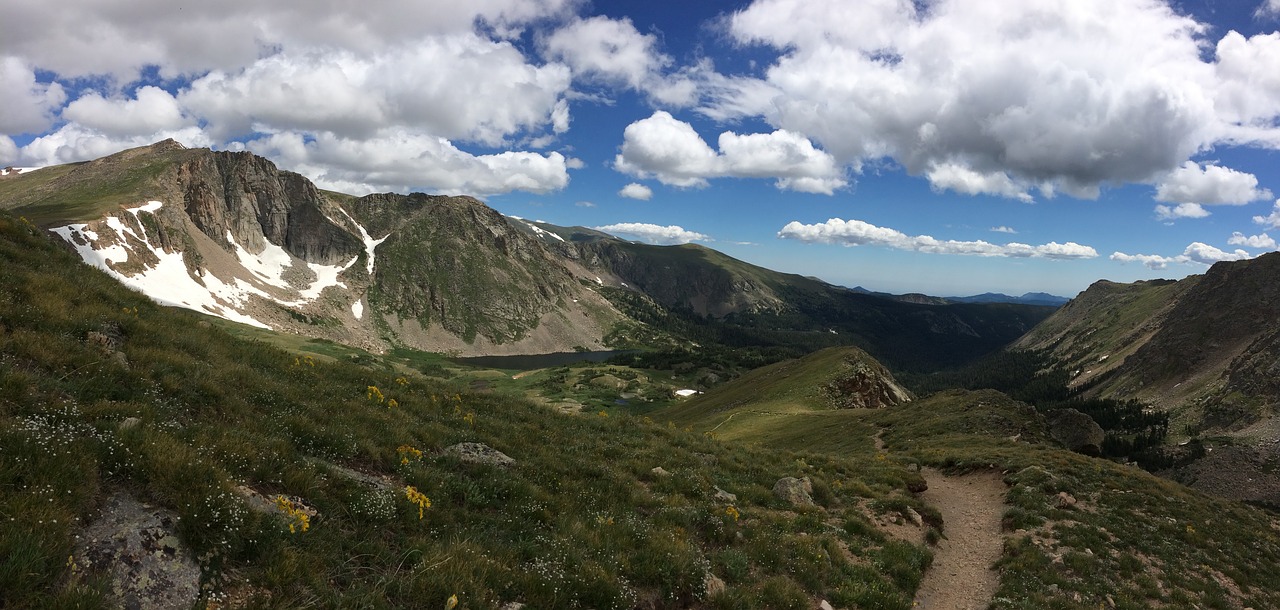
{"x":949,"y":147}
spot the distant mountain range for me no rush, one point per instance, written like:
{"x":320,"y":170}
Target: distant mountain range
{"x":1042,"y":299}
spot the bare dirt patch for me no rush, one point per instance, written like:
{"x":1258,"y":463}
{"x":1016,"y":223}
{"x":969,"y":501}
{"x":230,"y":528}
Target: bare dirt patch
{"x":961,"y":576}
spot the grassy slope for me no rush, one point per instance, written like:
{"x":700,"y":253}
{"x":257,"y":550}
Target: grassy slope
{"x":579,"y":521}
{"x":79,"y":191}
{"x":1134,"y":539}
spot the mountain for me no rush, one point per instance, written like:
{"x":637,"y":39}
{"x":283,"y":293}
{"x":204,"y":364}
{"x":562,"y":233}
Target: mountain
{"x":1203,"y":349}
{"x":1030,"y":298}
{"x":749,"y":305}
{"x":230,"y":234}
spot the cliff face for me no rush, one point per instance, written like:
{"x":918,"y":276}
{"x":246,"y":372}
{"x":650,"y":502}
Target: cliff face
{"x":248,"y":197}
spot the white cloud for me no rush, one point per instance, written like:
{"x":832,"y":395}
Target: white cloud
{"x":987,"y":96}
{"x":1195,"y":252}
{"x":669,"y":150}
{"x":584,"y":204}
{"x":1209,"y":185}
{"x":1264,"y":241}
{"x":74,"y":142}
{"x":1150,"y":261}
{"x":401,"y":160}
{"x":859,"y":233}
{"x":655,"y":234}
{"x":1248,"y":91}
{"x":1182,"y":210}
{"x":29,"y":106}
{"x":78,"y":38}
{"x":1205,"y":254}
{"x":1272,"y":220}
{"x":459,"y":87}
{"x":1269,"y":8}
{"x":608,"y":49}
{"x":1003,"y":229}
{"x":152,"y":110}
{"x":635,"y":190}
{"x":961,"y":179}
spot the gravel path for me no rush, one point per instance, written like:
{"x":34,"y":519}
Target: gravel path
{"x":961,"y":577}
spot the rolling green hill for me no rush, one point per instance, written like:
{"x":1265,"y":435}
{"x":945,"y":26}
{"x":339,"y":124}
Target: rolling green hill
{"x":1078,"y":532}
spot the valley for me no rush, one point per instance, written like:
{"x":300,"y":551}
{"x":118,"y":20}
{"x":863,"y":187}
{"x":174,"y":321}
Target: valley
{"x":276,"y":385}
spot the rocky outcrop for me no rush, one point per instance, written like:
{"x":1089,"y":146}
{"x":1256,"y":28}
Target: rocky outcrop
{"x":136,"y":548}
{"x":863,"y":383}
{"x":1076,"y":431}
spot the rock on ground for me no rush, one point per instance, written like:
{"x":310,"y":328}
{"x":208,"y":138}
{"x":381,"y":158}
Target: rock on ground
{"x":136,"y":547}
{"x":479,"y":453}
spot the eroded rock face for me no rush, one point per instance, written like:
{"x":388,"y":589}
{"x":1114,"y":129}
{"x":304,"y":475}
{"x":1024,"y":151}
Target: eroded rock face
{"x":1076,"y":431}
{"x":136,"y":547}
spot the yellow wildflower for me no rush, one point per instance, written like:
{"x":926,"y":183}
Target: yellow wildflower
{"x":417,"y":497}
{"x":732,"y":513}
{"x":297,"y":518}
{"x":402,"y":381}
{"x":451,"y":603}
{"x":391,"y":404}
{"x":375,"y":394}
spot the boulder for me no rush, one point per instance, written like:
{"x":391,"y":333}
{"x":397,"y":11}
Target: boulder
{"x":479,"y":453}
{"x":660,"y":472}
{"x":724,"y":496}
{"x":712,"y":585}
{"x":795,"y":491}
{"x":1076,"y":431}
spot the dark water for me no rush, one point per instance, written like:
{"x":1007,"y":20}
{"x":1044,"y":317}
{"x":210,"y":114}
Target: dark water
{"x":538,"y":361}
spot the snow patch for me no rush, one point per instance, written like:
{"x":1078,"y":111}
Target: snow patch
{"x":540,"y":232}
{"x":167,"y":282}
{"x":357,"y":309}
{"x":369,"y":242}
{"x":14,"y":171}
{"x":687,"y":392}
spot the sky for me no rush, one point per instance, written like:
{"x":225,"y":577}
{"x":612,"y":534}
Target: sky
{"x":949,"y":147}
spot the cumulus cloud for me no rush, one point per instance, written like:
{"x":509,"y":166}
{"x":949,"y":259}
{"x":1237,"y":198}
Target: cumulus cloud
{"x":992,"y":97}
{"x":1182,"y":210}
{"x":1268,"y":8}
{"x":202,"y":37}
{"x":669,"y":150}
{"x":73,"y":142}
{"x":1263,"y":241}
{"x":859,"y":233}
{"x":419,"y":80}
{"x":402,"y":160}
{"x":1003,"y":229}
{"x":1272,"y":220}
{"x":457,"y":87}
{"x":151,"y":110}
{"x":635,"y":190}
{"x":1195,"y":252}
{"x":29,"y":106}
{"x":655,"y":234}
{"x":608,"y":49}
{"x":1209,"y":185}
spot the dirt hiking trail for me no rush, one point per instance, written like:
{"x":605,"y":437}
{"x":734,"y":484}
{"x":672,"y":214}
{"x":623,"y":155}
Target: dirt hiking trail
{"x":961,"y":577}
